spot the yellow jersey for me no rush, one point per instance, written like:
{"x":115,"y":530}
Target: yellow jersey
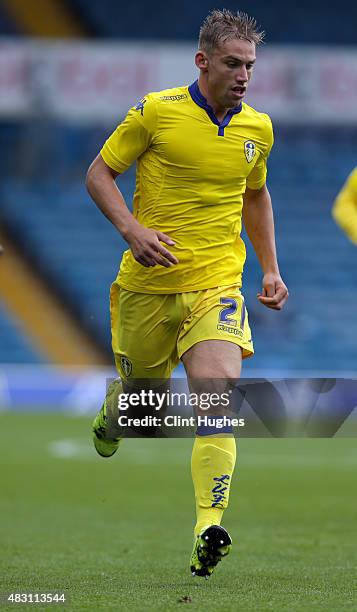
{"x":345,"y":207}
{"x":192,"y":172}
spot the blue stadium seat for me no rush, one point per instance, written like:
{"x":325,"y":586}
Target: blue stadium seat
{"x":15,"y":346}
{"x":78,"y":251}
{"x":316,"y":23}
{"x":8,"y":26}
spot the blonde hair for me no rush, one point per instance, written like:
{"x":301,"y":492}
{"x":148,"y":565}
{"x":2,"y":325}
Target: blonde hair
{"x":223,"y":25}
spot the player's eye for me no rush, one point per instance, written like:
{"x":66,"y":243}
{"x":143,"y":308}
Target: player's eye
{"x":250,"y":66}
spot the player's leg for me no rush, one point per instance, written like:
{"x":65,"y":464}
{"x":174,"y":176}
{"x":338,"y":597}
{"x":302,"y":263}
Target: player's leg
{"x":144,"y":332}
{"x":107,"y":434}
{"x":209,"y":365}
{"x":211,"y":344}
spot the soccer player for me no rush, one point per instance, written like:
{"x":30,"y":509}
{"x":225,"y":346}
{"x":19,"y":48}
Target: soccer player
{"x":201,"y":156}
{"x":345,"y":207}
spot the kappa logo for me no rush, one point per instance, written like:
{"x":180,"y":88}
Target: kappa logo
{"x":140,"y":106}
{"x":219,"y":491}
{"x":126,"y":365}
{"x":249,"y":150}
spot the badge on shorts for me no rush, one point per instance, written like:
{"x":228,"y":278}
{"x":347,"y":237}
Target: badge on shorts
{"x":126,"y":365}
{"x":249,"y":150}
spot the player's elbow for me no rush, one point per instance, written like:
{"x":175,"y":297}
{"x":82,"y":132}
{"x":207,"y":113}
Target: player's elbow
{"x":91,"y":177}
{"x":98,"y":173}
{"x":94,"y":173}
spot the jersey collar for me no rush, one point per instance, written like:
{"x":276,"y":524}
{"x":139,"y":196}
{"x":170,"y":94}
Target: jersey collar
{"x":201,"y":101}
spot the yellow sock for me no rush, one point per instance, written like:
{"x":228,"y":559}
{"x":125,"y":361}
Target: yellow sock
{"x":212,"y":465}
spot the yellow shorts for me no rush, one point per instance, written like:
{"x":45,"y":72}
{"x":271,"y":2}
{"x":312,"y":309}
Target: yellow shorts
{"x":150,"y":332}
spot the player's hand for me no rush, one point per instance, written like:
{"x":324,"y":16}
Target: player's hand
{"x":145,"y":244}
{"x":274,"y":292}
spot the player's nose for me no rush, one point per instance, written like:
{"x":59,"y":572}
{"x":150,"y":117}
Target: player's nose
{"x":242,"y":74}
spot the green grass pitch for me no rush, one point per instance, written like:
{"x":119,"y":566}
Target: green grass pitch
{"x":115,"y":534}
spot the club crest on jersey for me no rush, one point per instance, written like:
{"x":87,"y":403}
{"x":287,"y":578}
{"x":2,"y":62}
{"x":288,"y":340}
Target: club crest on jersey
{"x":126,"y":365}
{"x":249,"y":150}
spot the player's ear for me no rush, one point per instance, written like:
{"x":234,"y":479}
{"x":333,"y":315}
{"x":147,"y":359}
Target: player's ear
{"x":201,"y":60}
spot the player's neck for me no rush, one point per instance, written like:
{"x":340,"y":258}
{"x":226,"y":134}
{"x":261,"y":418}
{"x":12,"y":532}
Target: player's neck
{"x":218,"y":110}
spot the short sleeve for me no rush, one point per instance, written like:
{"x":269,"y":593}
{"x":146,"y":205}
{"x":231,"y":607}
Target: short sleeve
{"x":257,"y":177}
{"x":132,"y":137}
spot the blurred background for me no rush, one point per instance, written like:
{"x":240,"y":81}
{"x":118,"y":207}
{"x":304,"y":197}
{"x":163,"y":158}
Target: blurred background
{"x":69,"y":71}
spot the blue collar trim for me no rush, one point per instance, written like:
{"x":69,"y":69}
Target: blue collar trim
{"x":201,"y":101}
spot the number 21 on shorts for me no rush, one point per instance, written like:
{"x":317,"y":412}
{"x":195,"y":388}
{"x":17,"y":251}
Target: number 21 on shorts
{"x":230,"y":308}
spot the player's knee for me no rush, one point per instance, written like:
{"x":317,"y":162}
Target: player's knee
{"x":212,"y":373}
{"x":222,"y":367}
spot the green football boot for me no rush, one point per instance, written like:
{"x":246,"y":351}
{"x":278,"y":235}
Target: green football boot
{"x":210,"y":546}
{"x":107,"y":434}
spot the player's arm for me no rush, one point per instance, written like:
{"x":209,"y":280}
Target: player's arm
{"x":345,"y":207}
{"x":128,"y":142}
{"x":259,"y":224}
{"x":145,"y":243}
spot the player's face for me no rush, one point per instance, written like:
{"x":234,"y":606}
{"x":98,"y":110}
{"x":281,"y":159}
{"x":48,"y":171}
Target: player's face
{"x":229,"y":70}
